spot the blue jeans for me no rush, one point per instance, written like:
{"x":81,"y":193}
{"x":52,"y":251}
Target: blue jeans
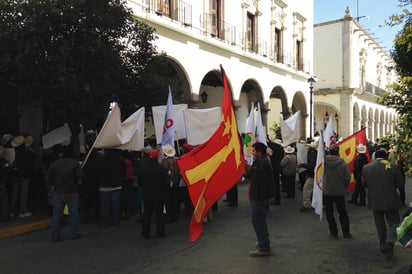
{"x":259,"y":216}
{"x":72,"y":201}
{"x":110,"y":203}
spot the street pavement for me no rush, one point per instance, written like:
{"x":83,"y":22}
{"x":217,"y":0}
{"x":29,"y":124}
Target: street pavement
{"x":300,"y":244}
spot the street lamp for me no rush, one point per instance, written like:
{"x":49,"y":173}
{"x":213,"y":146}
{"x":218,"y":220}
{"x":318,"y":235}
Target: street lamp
{"x":311,"y":80}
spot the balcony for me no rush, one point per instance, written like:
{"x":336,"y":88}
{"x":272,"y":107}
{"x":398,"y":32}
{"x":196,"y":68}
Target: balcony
{"x":218,"y":28}
{"x":369,"y":87}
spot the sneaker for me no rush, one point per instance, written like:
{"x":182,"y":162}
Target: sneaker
{"x":259,"y":253}
{"x":24,"y":215}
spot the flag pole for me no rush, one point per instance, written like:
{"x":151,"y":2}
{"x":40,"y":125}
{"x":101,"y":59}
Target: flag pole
{"x":87,"y":156}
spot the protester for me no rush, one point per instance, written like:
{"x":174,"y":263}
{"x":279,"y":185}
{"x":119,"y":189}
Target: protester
{"x":382,"y":180}
{"x":63,"y":177}
{"x":289,"y":164}
{"x":23,"y":171}
{"x":154,"y":183}
{"x":360,"y":161}
{"x":111,"y":171}
{"x":4,"y":176}
{"x":170,"y":164}
{"x":275,"y":159}
{"x":310,"y":172}
{"x":261,"y":190}
{"x":336,"y":178}
{"x":126,"y":195}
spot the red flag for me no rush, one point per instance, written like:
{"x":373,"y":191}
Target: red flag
{"x":347,"y":151}
{"x":213,"y":167}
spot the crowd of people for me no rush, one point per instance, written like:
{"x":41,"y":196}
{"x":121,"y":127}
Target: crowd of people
{"x":109,"y":185}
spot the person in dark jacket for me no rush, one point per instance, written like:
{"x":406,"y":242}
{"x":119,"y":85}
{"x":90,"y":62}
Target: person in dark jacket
{"x":275,"y":159}
{"x":111,"y":170}
{"x":261,"y":190}
{"x":63,"y":177}
{"x":154,"y":183}
{"x":336,"y":178}
{"x":310,"y":172}
{"x":383,"y":179}
{"x":359,"y":191}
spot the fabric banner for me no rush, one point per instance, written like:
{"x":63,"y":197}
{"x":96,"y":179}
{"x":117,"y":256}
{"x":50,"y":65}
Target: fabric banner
{"x":214,"y":167}
{"x":347,"y":151}
{"x":169,"y":128}
{"x":290,"y":129}
{"x":200,"y":124}
{"x":248,"y":138}
{"x":159,"y":118}
{"x":127,"y":135}
{"x":59,"y":135}
{"x":317,"y":197}
{"x":329,"y":134}
{"x":260,"y":135}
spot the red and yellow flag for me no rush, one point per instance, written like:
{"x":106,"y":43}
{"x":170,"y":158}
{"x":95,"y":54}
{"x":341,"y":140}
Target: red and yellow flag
{"x":347,"y":151}
{"x":213,"y":167}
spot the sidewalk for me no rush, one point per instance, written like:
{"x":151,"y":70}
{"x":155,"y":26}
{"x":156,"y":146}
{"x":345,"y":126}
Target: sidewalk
{"x":17,"y":225}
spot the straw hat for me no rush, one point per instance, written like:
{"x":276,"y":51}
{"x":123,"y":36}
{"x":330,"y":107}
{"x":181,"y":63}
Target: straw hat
{"x":168,"y":150}
{"x":313,"y":145}
{"x":5,"y":139}
{"x":361,"y":148}
{"x":17,"y":141}
{"x":28,"y":140}
{"x":278,"y":141}
{"x":289,"y":149}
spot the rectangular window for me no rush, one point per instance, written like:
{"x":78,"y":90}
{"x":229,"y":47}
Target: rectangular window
{"x":250,"y":32}
{"x":278,"y":46}
{"x":299,"y":55}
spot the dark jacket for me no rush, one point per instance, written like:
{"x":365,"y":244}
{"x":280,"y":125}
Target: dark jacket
{"x":360,"y":161}
{"x":25,"y":159}
{"x":153,"y":178}
{"x":64,"y":175}
{"x":261,"y":180}
{"x":336,"y":176}
{"x":111,"y":170}
{"x":382,"y":180}
{"x":310,"y":165}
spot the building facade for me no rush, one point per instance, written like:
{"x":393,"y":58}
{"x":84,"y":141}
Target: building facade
{"x":265,"y":47}
{"x":352,"y":71}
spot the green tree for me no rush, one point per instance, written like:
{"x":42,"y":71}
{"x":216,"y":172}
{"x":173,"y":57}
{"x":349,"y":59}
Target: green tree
{"x":72,"y":56}
{"x":399,"y":95}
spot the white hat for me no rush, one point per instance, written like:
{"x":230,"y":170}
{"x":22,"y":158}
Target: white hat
{"x":168,"y":150}
{"x":17,"y":141}
{"x":313,"y":145}
{"x":289,"y":149}
{"x":28,"y":140}
{"x":278,"y":141}
{"x":361,"y":148}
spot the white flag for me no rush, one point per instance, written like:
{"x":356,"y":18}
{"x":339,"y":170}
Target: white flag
{"x":260,"y":135}
{"x":329,"y":135}
{"x":317,"y":200}
{"x":128,"y":135}
{"x":200,"y":124}
{"x":248,"y":138}
{"x":169,"y":128}
{"x":290,"y":129}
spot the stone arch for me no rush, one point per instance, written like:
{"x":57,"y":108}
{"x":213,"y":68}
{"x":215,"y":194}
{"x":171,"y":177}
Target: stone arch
{"x":251,"y":91}
{"x":376,"y":124}
{"x":370,"y":120}
{"x":356,"y":118}
{"x":382,"y":124}
{"x":278,"y":105}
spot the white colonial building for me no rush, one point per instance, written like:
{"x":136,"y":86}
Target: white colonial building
{"x":265,"y":47}
{"x":352,"y":71}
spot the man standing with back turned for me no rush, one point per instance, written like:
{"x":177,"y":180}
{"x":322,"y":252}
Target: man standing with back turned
{"x":261,"y":190}
{"x":382,"y":180}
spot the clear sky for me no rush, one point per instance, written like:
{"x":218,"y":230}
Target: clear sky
{"x":376,"y":10}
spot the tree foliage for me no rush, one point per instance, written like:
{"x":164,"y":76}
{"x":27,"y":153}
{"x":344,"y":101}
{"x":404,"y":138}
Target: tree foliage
{"x":399,"y":95}
{"x":73,"y":56}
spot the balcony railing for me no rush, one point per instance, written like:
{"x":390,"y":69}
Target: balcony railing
{"x":210,"y":25}
{"x":369,"y":87}
{"x":218,"y":28}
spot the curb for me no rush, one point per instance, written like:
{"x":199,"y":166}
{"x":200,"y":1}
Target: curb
{"x":25,"y":228}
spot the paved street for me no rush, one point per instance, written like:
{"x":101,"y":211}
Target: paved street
{"x":300,"y":244}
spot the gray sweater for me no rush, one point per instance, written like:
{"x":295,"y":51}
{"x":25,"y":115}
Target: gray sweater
{"x":336,"y":176}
